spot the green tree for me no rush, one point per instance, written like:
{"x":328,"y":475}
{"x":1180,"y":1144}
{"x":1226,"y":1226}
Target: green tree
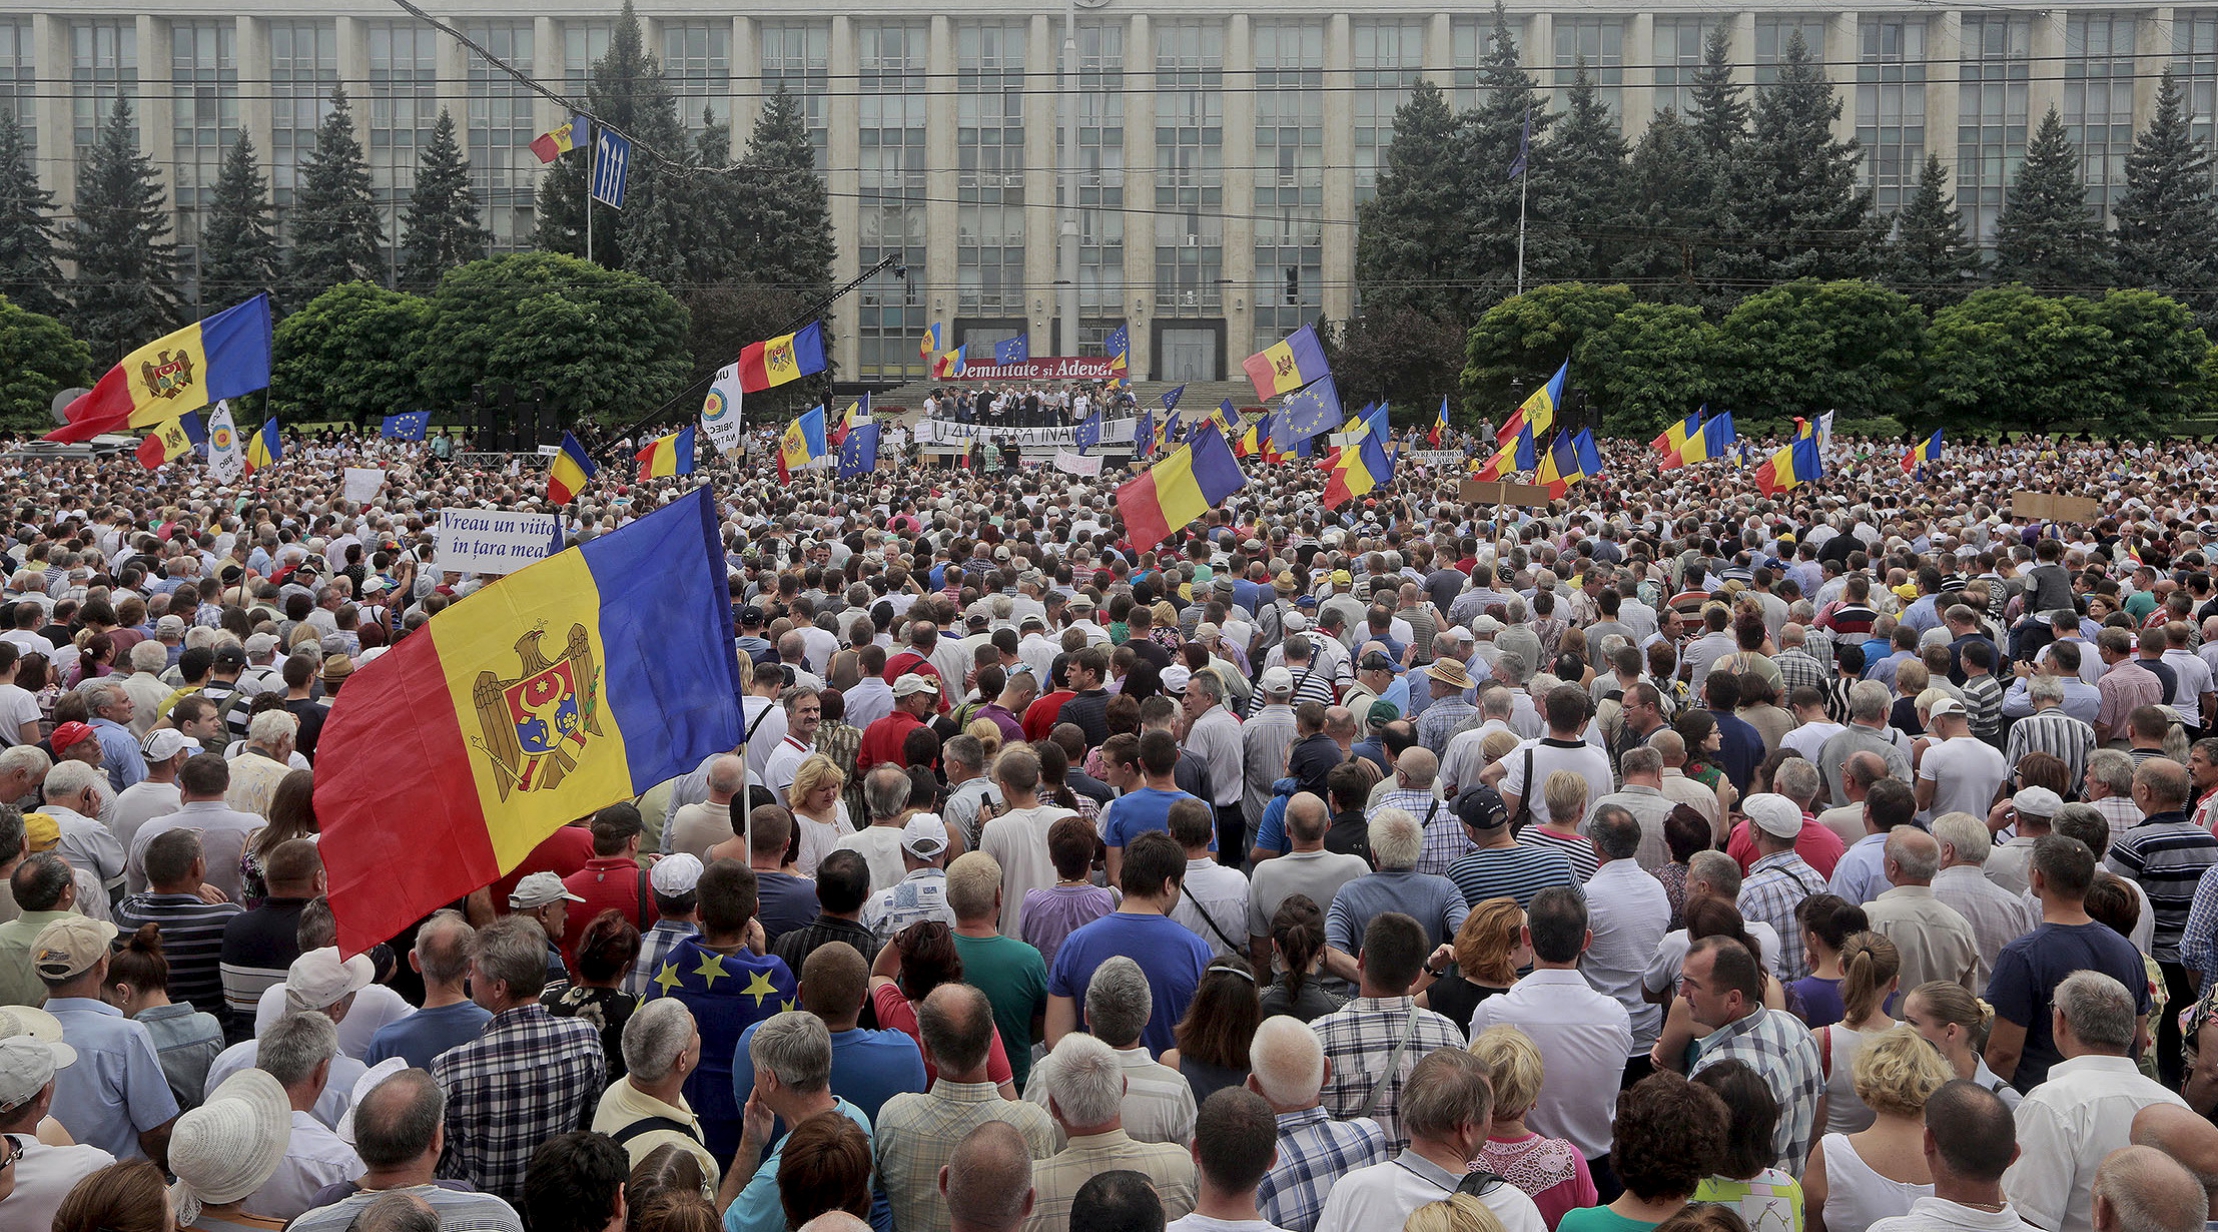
{"x":336,"y":235}
{"x":1929,"y":258}
{"x":1404,"y":257}
{"x":1398,"y":354}
{"x":2128,"y":363}
{"x":1520,"y":342}
{"x":442,"y":223}
{"x":29,"y":274}
{"x":2167,"y":221}
{"x":2153,"y":376}
{"x":1650,"y":366}
{"x":790,"y":243}
{"x":2047,"y":236}
{"x":628,"y":93}
{"x":1586,"y":159}
{"x":350,"y":354}
{"x":238,"y":248}
{"x":1792,"y":206}
{"x":605,"y":343}
{"x":1492,"y":133}
{"x":123,"y":292}
{"x":38,"y":359}
{"x":1720,"y":110}
{"x":1808,"y":347}
{"x":1667,"y":188}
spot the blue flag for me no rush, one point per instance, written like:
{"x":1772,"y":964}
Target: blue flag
{"x":1143,"y":433}
{"x":1171,"y":397}
{"x":1089,"y":433}
{"x":1015,"y":350}
{"x":1117,"y":343}
{"x":858,"y":452}
{"x":1307,"y":411}
{"x":406,"y":426}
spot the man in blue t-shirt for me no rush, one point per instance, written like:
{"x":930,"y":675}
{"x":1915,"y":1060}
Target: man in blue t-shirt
{"x":869,"y":1067}
{"x":2022,"y":1044}
{"x":1147,"y":807}
{"x":449,"y":1017}
{"x":1139,"y":929}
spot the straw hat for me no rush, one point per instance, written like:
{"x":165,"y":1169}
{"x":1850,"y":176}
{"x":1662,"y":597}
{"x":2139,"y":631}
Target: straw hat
{"x":230,"y":1146}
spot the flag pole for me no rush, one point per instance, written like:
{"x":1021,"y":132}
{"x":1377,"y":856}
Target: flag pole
{"x":1524,"y":178}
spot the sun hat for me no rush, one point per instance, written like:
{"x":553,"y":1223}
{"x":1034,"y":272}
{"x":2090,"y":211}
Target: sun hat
{"x":318,"y":980}
{"x":229,"y":1147}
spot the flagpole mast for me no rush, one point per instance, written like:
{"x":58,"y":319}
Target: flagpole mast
{"x":1524,"y":178}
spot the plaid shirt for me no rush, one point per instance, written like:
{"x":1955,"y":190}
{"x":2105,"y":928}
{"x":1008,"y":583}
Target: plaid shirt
{"x":1442,"y":719}
{"x":1314,"y":1151}
{"x":654,"y":950}
{"x":1445,"y":841}
{"x":1358,"y":1037}
{"x":1776,"y":885}
{"x":528,"y":1077}
{"x":1797,"y":668}
{"x":1777,"y":1046}
{"x":916,"y":1135}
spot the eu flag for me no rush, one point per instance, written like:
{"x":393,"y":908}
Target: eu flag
{"x":1312,"y":409}
{"x":1089,"y":433}
{"x":858,"y":453}
{"x":1143,"y":433}
{"x":1117,"y":343}
{"x":1015,"y":350}
{"x":1171,"y":397}
{"x":406,"y":426}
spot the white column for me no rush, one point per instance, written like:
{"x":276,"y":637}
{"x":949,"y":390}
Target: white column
{"x":1944,"y":54}
{"x":1337,"y":263}
{"x":453,"y":63}
{"x":1844,"y":48}
{"x":1440,"y":51}
{"x":2152,"y":51}
{"x":1536,"y":53}
{"x":747,"y":86}
{"x":2046,"y":87}
{"x":1139,"y":193}
{"x":1639,"y":93}
{"x":548,"y":66}
{"x":940,"y":161}
{"x":156,"y":108}
{"x":1043,"y":58}
{"x":1239,"y":190}
{"x":843,"y":150}
{"x":1743,"y":50}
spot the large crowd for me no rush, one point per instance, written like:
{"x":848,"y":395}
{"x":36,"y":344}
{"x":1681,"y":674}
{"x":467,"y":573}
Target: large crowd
{"x":1673,"y":856}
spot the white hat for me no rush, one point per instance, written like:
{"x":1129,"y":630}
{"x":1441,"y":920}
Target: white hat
{"x":163,"y":743}
{"x":1774,"y":814}
{"x":913,"y":683}
{"x":2036,"y":802}
{"x":539,"y":890}
{"x":27,"y":1064}
{"x":317,"y":979}
{"x":1276,"y":680}
{"x":229,"y":1147}
{"x":1295,"y":622}
{"x":676,"y":874}
{"x":1176,"y":677}
{"x":371,"y":1079}
{"x":1947,"y":706}
{"x":925,"y":836}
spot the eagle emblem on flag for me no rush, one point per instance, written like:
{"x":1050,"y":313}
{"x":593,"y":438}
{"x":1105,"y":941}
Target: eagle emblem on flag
{"x":536,"y":724}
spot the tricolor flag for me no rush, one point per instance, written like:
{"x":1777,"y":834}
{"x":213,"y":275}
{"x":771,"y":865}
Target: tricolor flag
{"x":1515,"y":455}
{"x":1194,"y":479}
{"x":170,"y":440}
{"x":930,"y":342}
{"x":668,"y":455}
{"x":802,"y":443}
{"x":224,"y":356}
{"x":1791,"y":467}
{"x":788,"y":357}
{"x":567,"y":472}
{"x":1927,"y":450}
{"x":1363,"y":463}
{"x":1538,"y":411}
{"x":856,"y":415}
{"x":561,"y":139}
{"x":1440,"y":424}
{"x":950,"y":364}
{"x":1674,"y":438}
{"x":265,"y":447}
{"x":1713,"y":441}
{"x":571,"y":684}
{"x":1569,"y":459}
{"x":1288,"y":364}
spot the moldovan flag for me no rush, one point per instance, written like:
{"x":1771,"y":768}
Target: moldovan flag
{"x":1711,"y":442}
{"x":568,"y":471}
{"x":571,"y":684}
{"x":802,"y":443}
{"x":668,"y":455}
{"x":222,"y":357}
{"x":1927,"y":450}
{"x":1515,"y":455}
{"x":1363,"y":463}
{"x":1194,"y":479}
{"x":265,"y":446}
{"x":1289,"y":363}
{"x":1569,"y":459}
{"x":1674,"y":438}
{"x":561,"y":139}
{"x":1538,"y":410}
{"x":1791,"y":467}
{"x":170,"y":440}
{"x":788,"y":357}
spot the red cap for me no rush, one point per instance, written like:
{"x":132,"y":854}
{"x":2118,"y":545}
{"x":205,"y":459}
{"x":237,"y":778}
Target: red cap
{"x":68,"y":735}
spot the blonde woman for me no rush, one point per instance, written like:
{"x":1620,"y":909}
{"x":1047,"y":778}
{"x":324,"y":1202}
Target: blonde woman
{"x":1455,"y":1213}
{"x":1957,"y":1023}
{"x":1550,"y":1170}
{"x":818,"y":812}
{"x":1565,"y":792}
{"x":1854,"y":1180}
{"x":1871,"y":969}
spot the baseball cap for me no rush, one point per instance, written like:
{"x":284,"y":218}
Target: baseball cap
{"x":1774,"y":814}
{"x":163,"y":743}
{"x":41,"y":832}
{"x":261,"y":643}
{"x":372,"y":584}
{"x":1176,"y":677}
{"x":27,"y":1065}
{"x":924,"y":836}
{"x":538,"y":890}
{"x":676,"y":874}
{"x":169,"y":624}
{"x":750,"y":615}
{"x":318,"y":979}
{"x":1381,"y":713}
{"x":69,"y":735}
{"x":912,"y":684}
{"x":230,"y":655}
{"x":70,"y":946}
{"x":1295,"y":622}
{"x":1032,"y":620}
{"x":1207,"y":630}
{"x":1376,"y":662}
{"x":1947,"y":706}
{"x":1481,"y":808}
{"x":2037,"y":802}
{"x":1277,"y":680}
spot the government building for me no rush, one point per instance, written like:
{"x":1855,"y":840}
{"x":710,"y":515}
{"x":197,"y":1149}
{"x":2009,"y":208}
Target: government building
{"x":1223,"y":150}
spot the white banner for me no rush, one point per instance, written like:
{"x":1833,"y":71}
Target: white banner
{"x":362,"y":483}
{"x":1435,"y":457}
{"x":494,"y":541}
{"x":1070,"y":463}
{"x":226,"y":459}
{"x":720,"y":420}
{"x":931,"y":432}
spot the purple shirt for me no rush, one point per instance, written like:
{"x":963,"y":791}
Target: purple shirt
{"x":1055,"y":913}
{"x":1012,"y":728}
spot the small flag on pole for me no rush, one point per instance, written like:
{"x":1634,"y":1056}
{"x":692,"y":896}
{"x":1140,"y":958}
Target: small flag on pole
{"x":406,"y":426}
{"x":561,"y":139}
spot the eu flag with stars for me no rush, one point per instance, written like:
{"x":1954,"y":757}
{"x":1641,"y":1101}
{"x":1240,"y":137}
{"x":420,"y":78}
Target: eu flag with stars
{"x":1171,"y":397}
{"x":1118,"y":341}
{"x":1143,"y":433}
{"x":406,"y":426}
{"x":1312,"y":409}
{"x":1015,"y":350}
{"x":858,"y":453}
{"x":1089,"y":433}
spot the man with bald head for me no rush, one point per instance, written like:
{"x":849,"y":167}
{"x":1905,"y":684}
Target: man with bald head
{"x":1936,"y":941}
{"x":697,"y":827}
{"x":916,"y":1132}
{"x":1970,"y":1141}
{"x":2141,"y":1189}
{"x":1307,"y":870}
{"x":2190,"y":1139}
{"x":2166,"y":855}
{"x":988,"y":1182}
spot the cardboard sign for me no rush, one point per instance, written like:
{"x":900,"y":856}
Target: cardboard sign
{"x":1479,"y":492}
{"x":2048,"y":507}
{"x":494,"y":541}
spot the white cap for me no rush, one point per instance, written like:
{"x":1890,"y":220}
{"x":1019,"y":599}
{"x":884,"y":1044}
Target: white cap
{"x":318,"y":979}
{"x":1276,"y":680}
{"x":676,"y":874}
{"x":1774,"y":814}
{"x":538,"y":890}
{"x":914,"y":683}
{"x":925,"y":836}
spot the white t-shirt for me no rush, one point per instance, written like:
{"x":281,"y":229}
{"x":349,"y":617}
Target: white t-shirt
{"x":1965,"y":773}
{"x":1583,"y":759}
{"x":17,"y":707}
{"x":1210,"y":1223}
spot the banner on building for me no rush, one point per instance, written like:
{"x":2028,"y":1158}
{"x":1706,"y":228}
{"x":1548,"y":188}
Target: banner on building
{"x":1066,"y":368}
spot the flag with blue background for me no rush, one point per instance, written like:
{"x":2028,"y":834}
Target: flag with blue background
{"x":406,"y":426}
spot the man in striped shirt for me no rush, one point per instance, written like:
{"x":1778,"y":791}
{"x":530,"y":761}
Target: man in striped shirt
{"x":191,"y":926}
{"x":2049,"y":730}
{"x":2167,"y":854}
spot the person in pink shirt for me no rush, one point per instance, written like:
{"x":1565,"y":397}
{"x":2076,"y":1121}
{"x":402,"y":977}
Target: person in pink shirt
{"x":1550,"y":1171}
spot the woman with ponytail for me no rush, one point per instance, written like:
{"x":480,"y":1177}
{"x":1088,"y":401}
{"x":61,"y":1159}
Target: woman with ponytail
{"x":1871,"y":967}
{"x":1298,"y":945}
{"x":186,"y":1040}
{"x":1956,"y":1023}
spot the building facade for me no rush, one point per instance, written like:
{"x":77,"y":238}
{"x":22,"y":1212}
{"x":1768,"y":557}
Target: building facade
{"x":1222,"y":152}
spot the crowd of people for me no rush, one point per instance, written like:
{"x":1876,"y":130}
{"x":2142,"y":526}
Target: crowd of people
{"x":1670,"y":857}
{"x":1037,"y":404}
